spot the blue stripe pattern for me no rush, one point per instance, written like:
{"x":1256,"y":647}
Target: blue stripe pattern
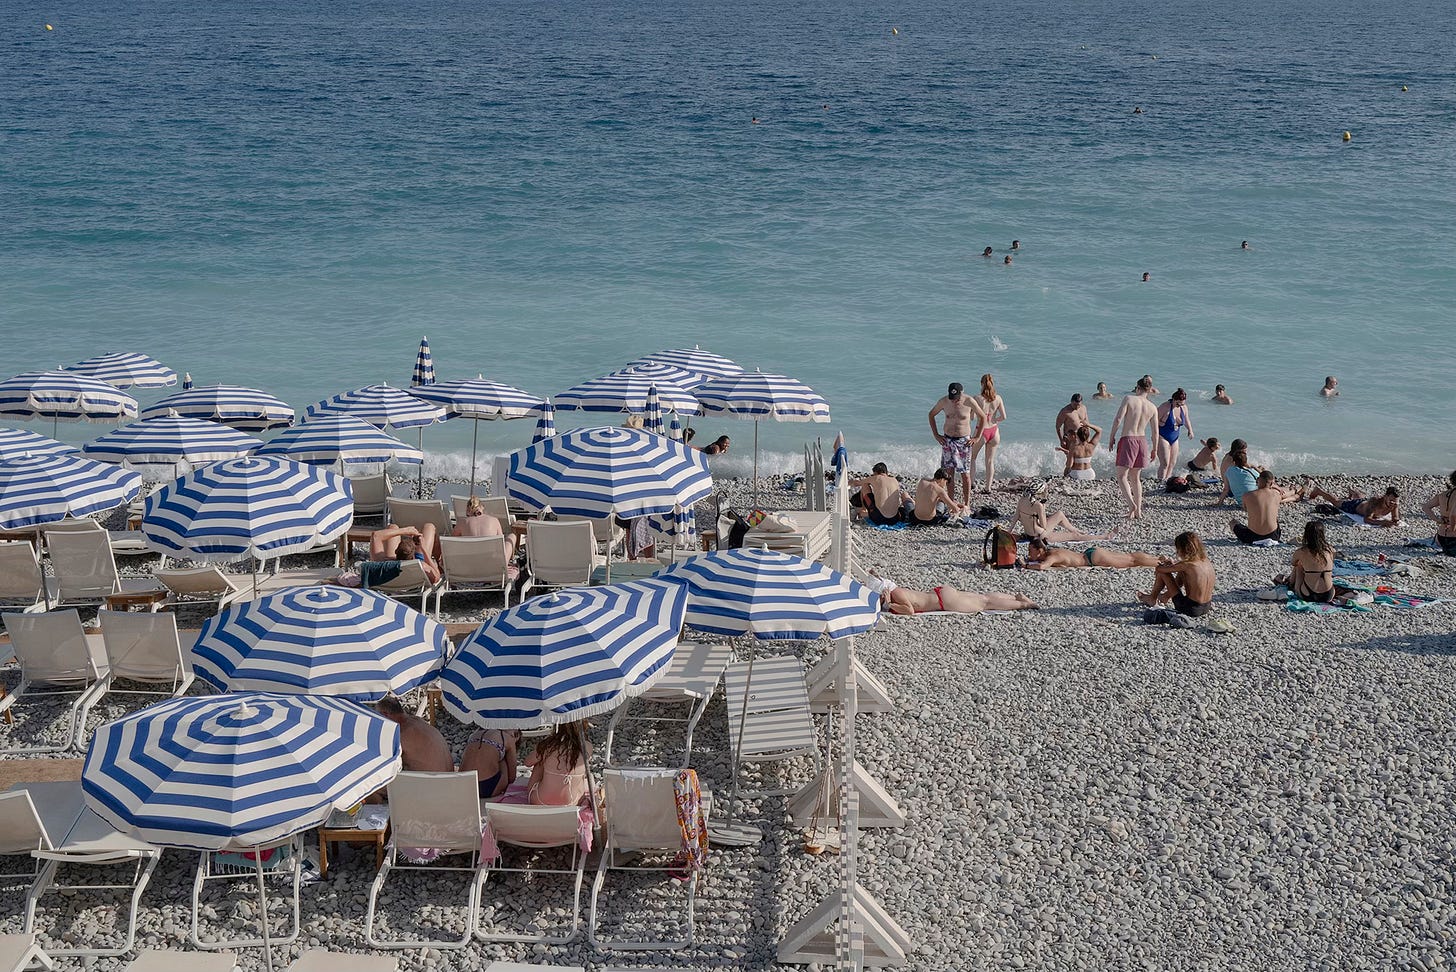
{"x":566,"y":656}
{"x":772,"y":596}
{"x":380,"y":406}
{"x":43,"y":489}
{"x":20,"y":442}
{"x":693,"y":359}
{"x":623,"y":392}
{"x":170,"y":439}
{"x":424,"y":373}
{"x":64,"y":396}
{"x":206,"y":772}
{"x":653,"y":371}
{"x":327,"y":439}
{"x":125,"y":369}
{"x":260,"y":506}
{"x":546,"y":424}
{"x":674,"y":429}
{"x":325,"y":640}
{"x":765,"y":396}
{"x":605,"y":471}
{"x":479,"y":398}
{"x":244,"y":409}
{"x":652,"y":414}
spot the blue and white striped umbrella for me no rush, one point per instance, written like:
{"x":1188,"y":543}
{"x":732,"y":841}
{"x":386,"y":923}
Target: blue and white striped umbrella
{"x":170,"y":439}
{"x":693,"y":359}
{"x":64,"y":396}
{"x":653,"y":371}
{"x":623,"y":392}
{"x":565,"y":656}
{"x":43,"y":489}
{"x":124,"y":369}
{"x":674,"y":429}
{"x":678,"y":524}
{"x":762,"y":396}
{"x":259,"y":506}
{"x":381,"y":406}
{"x":652,"y":413}
{"x":772,"y":596}
{"x":214,"y":771}
{"x":424,"y":373}
{"x":244,"y":409}
{"x":19,"y":442}
{"x":479,"y":398}
{"x":327,"y":439}
{"x":321,"y":640}
{"x":606,"y":471}
{"x":546,"y":424}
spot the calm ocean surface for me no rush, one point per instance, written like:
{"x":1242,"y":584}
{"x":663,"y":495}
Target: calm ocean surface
{"x":290,"y":196}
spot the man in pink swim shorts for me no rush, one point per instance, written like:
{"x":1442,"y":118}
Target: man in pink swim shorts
{"x":1135,"y":417}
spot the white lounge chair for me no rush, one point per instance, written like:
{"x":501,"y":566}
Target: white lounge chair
{"x":168,"y":960}
{"x":145,"y":647}
{"x":776,"y":723}
{"x":642,"y":817}
{"x":410,"y":581}
{"x":371,"y":496}
{"x":561,"y":553}
{"x":693,"y":677}
{"x":500,"y":508}
{"x":416,"y":513}
{"x":810,"y":538}
{"x":537,"y":828}
{"x":440,"y":813}
{"x":218,"y":866}
{"x":26,"y":827}
{"x":319,"y":960}
{"x":604,"y":530}
{"x":124,"y":543}
{"x":86,"y":570}
{"x":198,"y":586}
{"x":473,"y":565}
{"x":23,"y":584}
{"x":20,"y":952}
{"x":56,"y":658}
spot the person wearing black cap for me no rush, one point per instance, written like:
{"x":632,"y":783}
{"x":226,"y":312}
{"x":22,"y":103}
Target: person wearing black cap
{"x":955,"y":437}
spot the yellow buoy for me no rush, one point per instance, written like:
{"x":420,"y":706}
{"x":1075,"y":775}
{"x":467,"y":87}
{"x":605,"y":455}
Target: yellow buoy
{"x":1347,"y":136}
{"x":1404,"y":88}
{"x":895,"y":31}
{"x":49,"y":27}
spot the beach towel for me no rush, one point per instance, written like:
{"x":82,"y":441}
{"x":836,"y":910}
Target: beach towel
{"x":1266,"y":542}
{"x":1359,"y":568}
{"x":889,"y":527}
{"x":975,"y":523}
{"x":1315,"y":607}
{"x":1400,"y":599}
{"x":689,"y":800}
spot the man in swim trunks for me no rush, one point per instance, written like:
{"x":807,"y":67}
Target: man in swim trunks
{"x":1187,"y":583}
{"x":1041,"y":556}
{"x":883,"y":498}
{"x":1262,"y":506}
{"x":955,"y":439}
{"x":930,"y":496}
{"x":1135,"y":418}
{"x":903,"y":600}
{"x":1376,"y":511}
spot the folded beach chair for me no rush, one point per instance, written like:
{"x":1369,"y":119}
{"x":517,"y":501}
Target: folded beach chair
{"x":371,"y":496}
{"x":20,"y":952}
{"x":432,"y":816}
{"x":85,"y":568}
{"x":692,"y":678}
{"x":145,"y":647}
{"x":94,"y":842}
{"x":811,"y":534}
{"x":561,"y":553}
{"x":537,"y":828}
{"x":57,"y":658}
{"x":642,"y":817}
{"x":776,"y":723}
{"x":500,"y":475}
{"x":319,"y":960}
{"x":167,"y":960}
{"x":198,"y":586}
{"x":416,"y":513}
{"x":282,"y":865}
{"x":22,"y":583}
{"x":473,"y":565}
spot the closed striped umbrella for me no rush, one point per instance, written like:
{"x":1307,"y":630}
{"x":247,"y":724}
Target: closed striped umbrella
{"x":680,"y":524}
{"x":674,"y":429}
{"x":327,"y":439}
{"x":693,"y":359}
{"x":244,"y":409}
{"x":42,"y":489}
{"x":208,"y":772}
{"x":478,"y":399}
{"x":652,"y":413}
{"x":20,"y":442}
{"x":381,"y":405}
{"x":566,"y":656}
{"x":546,"y":424}
{"x":762,"y":396}
{"x":323,"y":640}
{"x":653,"y":371}
{"x":773,"y":596}
{"x":606,"y":471}
{"x":259,"y":506}
{"x":424,"y":373}
{"x":623,"y":392}
{"x":63,"y":396}
{"x":170,"y":439}
{"x":125,"y":369}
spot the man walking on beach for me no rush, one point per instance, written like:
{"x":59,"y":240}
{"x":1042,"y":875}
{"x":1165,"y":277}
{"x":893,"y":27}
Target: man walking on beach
{"x":1135,"y":418}
{"x":955,"y":439}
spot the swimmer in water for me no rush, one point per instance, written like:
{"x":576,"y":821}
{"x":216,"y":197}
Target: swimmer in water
{"x":1102,"y":393}
{"x":1137,"y":111}
{"x":1221,"y":397}
{"x":1007,"y":261}
{"x":987,"y":252}
{"x":1330,"y":390}
{"x":1245,"y":245}
{"x":1015,"y":244}
{"x":1147,"y":277}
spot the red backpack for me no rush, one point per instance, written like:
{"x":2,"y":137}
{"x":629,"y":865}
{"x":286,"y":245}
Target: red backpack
{"x":999,"y":550}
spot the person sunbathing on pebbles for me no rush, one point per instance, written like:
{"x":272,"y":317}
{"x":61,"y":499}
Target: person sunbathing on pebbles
{"x":944,"y":599}
{"x":1042,"y":556}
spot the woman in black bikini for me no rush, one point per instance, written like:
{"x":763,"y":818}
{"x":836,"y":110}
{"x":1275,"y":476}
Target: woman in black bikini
{"x":491,"y":753}
{"x":1313,"y":576}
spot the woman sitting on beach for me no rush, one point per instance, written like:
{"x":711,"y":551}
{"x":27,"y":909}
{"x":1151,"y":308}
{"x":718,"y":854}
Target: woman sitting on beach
{"x":1376,"y":511}
{"x":1079,"y":448}
{"x":987,"y":433}
{"x":1187,"y":583}
{"x":558,"y":767}
{"x":1239,"y":477}
{"x":1313,"y":575}
{"x":1041,"y":556}
{"x":1442,"y":509}
{"x":946,"y":599}
{"x":407,"y":543}
{"x":1207,"y":458}
{"x":491,"y":753}
{"x":1033,"y":522}
{"x":478,"y":523}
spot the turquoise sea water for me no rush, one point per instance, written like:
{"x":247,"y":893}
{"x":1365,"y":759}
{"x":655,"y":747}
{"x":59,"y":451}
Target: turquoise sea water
{"x":290,"y":197}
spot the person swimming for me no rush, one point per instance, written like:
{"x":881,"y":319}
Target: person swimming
{"x":1331,"y":389}
{"x":1147,"y":276}
{"x":1007,"y":261}
{"x":1221,"y":397}
{"x":1102,"y":394}
{"x":987,"y":252}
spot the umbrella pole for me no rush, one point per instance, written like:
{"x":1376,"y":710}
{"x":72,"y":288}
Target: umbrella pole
{"x":474,"y":438}
{"x":755,"y":466}
{"x":263,"y":911}
{"x":728,"y":833}
{"x":420,"y":483}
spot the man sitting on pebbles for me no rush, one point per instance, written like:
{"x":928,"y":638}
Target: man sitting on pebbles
{"x":1042,"y":556}
{"x":1262,"y":506}
{"x":1186,"y":583}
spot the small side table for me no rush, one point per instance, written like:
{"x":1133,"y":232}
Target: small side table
{"x":350,"y":835}
{"x":136,"y":600}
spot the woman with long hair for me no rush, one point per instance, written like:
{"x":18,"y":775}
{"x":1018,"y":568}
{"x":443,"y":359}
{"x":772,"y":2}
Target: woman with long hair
{"x":987,"y":434}
{"x":1313,"y":575}
{"x":558,"y":766}
{"x":1186,"y":583}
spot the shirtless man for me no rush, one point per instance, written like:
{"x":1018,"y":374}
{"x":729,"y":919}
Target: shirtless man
{"x":1331,"y":389}
{"x":1187,"y":582}
{"x":422,"y":748}
{"x":882,"y":496}
{"x":1262,"y":506}
{"x":1442,"y":508}
{"x":1102,"y":394}
{"x":1220,"y":396}
{"x":1135,"y":417}
{"x":1071,"y":418}
{"x":903,"y":600}
{"x":930,"y":495}
{"x":955,"y":439}
{"x":1040,"y":556}
{"x":1376,"y":511}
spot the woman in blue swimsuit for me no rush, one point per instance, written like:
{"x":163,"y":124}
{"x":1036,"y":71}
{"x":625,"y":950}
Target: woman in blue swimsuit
{"x":1172,"y":419}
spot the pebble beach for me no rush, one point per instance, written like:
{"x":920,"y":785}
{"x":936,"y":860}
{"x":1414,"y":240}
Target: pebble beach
{"x":1082,"y":790}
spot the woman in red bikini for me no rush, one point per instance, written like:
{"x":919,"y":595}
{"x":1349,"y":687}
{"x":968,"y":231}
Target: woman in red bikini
{"x":903,"y":600}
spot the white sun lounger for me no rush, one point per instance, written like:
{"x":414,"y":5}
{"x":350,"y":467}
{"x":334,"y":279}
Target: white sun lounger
{"x":145,"y":647}
{"x":288,"y":871}
{"x":473,"y":565}
{"x":560,"y":554}
{"x":170,"y":960}
{"x":57,"y":657}
{"x":538,"y":827}
{"x":198,"y":586}
{"x":811,"y":540}
{"x":22,"y":583}
{"x":20,"y":952}
{"x":776,"y":724}
{"x":85,"y":568}
{"x":693,"y":677}
{"x":500,"y":966}
{"x":319,"y":960}
{"x":125,"y":543}
{"x":410,"y":581}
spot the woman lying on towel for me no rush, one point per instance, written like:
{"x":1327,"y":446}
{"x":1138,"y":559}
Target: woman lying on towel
{"x":1041,"y":556}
